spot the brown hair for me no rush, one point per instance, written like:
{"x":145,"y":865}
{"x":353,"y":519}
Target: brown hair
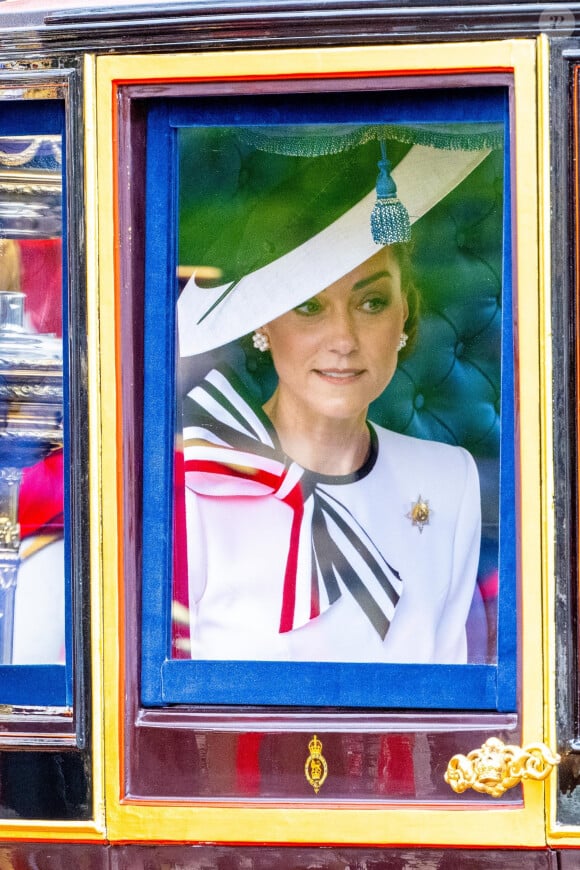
{"x":403,"y":252}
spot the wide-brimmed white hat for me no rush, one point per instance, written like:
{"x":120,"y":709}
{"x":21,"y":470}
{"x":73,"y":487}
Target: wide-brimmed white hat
{"x":210,"y":318}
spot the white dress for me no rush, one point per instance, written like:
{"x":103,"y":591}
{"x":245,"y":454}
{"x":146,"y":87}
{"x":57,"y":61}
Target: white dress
{"x":238,"y":553}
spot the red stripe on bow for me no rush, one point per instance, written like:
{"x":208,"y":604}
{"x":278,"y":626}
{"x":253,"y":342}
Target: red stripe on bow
{"x":295,"y":501}
{"x":180,"y":631}
{"x":272,"y":483}
{"x":257,"y":475}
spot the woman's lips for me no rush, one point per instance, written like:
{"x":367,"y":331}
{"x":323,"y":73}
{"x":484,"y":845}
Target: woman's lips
{"x":339,"y":376}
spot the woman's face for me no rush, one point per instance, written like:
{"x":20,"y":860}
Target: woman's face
{"x":337,"y":351}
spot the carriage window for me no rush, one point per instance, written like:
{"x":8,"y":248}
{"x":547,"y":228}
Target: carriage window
{"x":34,"y":601}
{"x":329,"y":402}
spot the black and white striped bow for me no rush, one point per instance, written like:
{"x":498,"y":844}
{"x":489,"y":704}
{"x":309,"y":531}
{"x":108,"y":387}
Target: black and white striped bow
{"x":230,"y":450}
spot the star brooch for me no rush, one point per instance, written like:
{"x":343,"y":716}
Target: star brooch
{"x":420,"y":513}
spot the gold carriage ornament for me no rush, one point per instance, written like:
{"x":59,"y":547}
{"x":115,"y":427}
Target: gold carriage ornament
{"x":315,"y":768}
{"x":495,"y":767}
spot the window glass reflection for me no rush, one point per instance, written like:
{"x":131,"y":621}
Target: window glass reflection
{"x":32,"y":588}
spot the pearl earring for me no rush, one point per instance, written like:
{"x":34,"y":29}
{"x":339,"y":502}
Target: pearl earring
{"x":402,"y":341}
{"x":260,"y":341}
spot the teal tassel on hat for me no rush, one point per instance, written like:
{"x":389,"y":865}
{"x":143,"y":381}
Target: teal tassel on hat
{"x":389,"y":219}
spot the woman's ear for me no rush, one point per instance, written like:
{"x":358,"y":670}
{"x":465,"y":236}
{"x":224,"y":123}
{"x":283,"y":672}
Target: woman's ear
{"x":405,"y":309}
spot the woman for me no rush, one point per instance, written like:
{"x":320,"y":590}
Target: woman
{"x":313,"y":534}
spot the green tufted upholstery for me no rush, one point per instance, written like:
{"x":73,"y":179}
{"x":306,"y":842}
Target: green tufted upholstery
{"x":449,"y":388}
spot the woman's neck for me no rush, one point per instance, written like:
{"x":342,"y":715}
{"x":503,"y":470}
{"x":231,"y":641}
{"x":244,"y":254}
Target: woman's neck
{"x":321,"y":444}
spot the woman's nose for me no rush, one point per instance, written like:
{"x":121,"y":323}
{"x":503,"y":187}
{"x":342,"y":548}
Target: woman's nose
{"x":343,"y":338}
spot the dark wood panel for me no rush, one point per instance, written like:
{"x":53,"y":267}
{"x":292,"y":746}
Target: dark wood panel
{"x":59,"y":856}
{"x":55,"y":856}
{"x":233,"y":858}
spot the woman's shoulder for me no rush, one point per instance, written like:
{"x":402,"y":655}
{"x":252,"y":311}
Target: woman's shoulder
{"x":423,"y":451}
{"x":444,"y":474}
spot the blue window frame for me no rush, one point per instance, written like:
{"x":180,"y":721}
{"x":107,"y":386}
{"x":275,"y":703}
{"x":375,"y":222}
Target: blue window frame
{"x":28,"y":683}
{"x":488,"y":680}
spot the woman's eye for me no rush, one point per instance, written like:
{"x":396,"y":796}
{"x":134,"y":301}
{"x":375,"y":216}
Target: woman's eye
{"x":311,"y":306}
{"x":374,"y":304}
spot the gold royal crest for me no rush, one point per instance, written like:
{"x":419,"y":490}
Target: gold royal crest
{"x":315,"y":768}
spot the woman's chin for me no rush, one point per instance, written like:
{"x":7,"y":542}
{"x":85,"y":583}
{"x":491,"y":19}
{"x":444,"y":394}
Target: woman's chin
{"x":338,"y":411}
{"x":346,"y":400}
